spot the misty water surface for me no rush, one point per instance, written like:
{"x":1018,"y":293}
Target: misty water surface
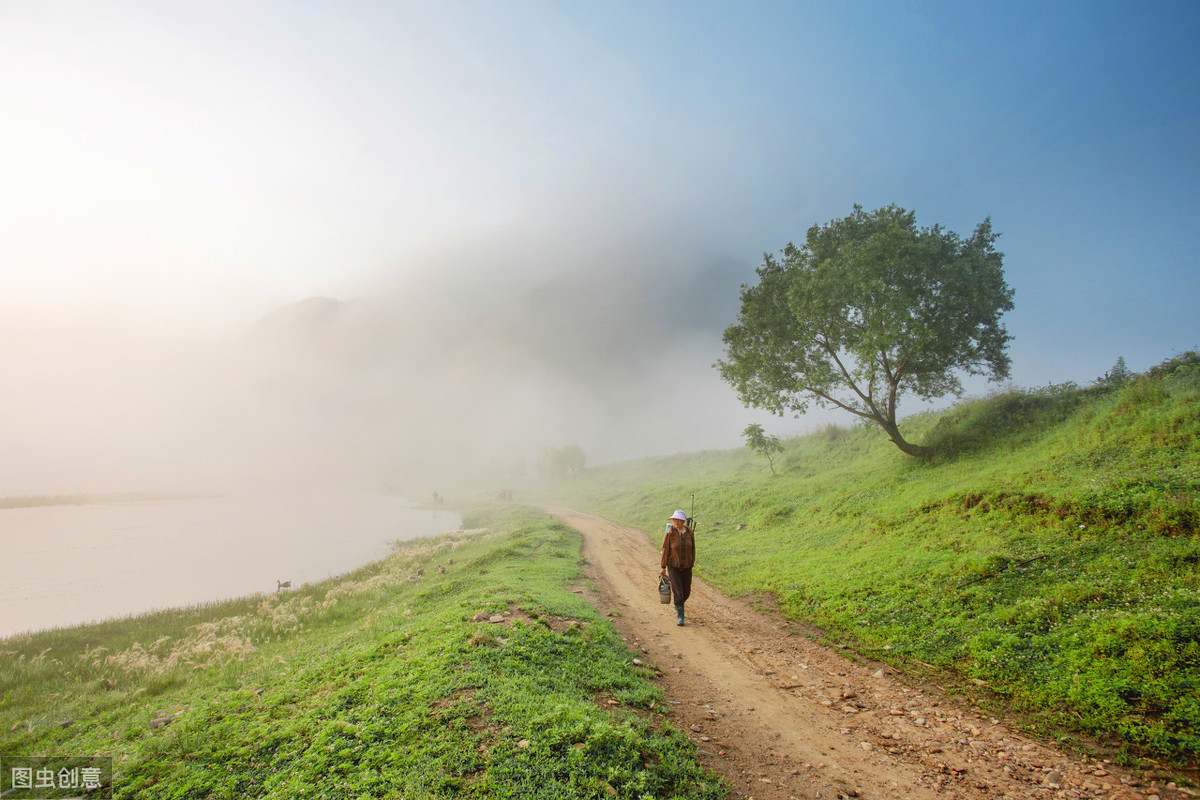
{"x":65,"y":565}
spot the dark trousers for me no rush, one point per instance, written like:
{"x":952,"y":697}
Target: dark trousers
{"x":681,"y":584}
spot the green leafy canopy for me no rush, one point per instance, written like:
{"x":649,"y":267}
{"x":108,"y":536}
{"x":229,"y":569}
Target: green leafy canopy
{"x":869,"y":308}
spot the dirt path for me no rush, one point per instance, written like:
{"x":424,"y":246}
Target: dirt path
{"x":782,"y":716}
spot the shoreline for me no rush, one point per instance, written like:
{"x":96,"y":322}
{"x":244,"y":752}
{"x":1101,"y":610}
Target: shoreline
{"x":86,"y":565}
{"x":104,"y":498}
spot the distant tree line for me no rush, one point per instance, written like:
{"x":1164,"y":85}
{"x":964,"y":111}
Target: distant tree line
{"x":558,"y":463}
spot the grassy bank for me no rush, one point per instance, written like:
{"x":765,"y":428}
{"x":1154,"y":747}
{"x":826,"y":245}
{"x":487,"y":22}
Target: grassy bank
{"x":372,"y":685}
{"x":1051,"y":551}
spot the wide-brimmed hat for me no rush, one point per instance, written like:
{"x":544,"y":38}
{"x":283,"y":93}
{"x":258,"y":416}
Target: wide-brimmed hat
{"x":679,"y":515}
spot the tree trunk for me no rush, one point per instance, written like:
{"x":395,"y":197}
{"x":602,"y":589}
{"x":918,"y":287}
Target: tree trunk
{"x":915,"y":450}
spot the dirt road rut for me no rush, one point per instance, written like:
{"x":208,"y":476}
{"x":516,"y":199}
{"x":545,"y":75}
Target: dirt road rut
{"x":782,"y":716}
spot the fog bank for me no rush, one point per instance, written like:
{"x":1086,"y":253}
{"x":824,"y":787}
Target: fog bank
{"x":461,"y":363}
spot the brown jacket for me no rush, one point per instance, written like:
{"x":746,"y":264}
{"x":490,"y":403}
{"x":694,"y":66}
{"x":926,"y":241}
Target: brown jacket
{"x":679,"y":548}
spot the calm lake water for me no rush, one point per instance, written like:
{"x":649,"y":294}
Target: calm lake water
{"x":65,"y":565}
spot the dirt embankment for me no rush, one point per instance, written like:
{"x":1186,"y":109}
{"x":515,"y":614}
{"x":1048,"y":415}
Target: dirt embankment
{"x":782,"y":716}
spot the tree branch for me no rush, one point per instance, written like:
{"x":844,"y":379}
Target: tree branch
{"x":842,"y":405}
{"x":866,"y":398}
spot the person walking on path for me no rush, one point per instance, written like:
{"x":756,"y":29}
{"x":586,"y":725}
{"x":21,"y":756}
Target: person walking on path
{"x":678,"y":556}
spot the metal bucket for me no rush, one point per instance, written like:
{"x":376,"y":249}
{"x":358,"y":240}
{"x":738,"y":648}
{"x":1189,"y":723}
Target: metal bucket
{"x":664,"y":590}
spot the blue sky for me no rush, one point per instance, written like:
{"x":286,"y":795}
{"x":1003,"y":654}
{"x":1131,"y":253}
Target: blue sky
{"x":202,"y":164}
{"x":1073,"y":125}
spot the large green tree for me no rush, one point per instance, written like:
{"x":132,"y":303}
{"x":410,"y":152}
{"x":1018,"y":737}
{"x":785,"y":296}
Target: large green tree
{"x":869,"y":308}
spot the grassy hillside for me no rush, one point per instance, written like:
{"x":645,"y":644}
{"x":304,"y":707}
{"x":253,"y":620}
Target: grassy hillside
{"x":371,"y":685}
{"x":1051,"y":551}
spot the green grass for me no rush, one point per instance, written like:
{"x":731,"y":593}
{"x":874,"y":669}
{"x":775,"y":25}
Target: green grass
{"x":1050,"y":550}
{"x":369,"y":685}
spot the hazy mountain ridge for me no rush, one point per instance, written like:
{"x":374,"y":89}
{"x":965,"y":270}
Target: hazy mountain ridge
{"x":408,"y":381}
{"x":576,"y":324}
{"x":584,"y":357}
